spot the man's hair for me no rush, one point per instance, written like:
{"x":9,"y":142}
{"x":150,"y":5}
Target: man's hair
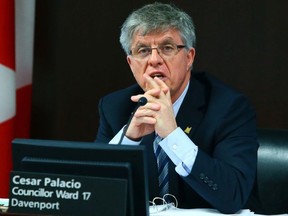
{"x":157,"y":17}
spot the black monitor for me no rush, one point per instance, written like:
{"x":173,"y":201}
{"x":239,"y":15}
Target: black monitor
{"x":88,"y":159}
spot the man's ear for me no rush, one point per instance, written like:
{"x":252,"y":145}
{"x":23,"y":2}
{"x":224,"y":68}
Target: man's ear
{"x":128,"y":59}
{"x":191,"y":56}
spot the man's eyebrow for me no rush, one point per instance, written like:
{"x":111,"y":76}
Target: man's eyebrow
{"x":164,"y":41}
{"x":141,"y":44}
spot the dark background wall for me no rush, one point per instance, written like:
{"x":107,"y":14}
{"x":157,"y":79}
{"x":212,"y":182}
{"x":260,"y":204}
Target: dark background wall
{"x":78,"y":58}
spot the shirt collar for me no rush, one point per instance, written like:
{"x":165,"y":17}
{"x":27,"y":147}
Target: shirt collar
{"x":178,"y":102}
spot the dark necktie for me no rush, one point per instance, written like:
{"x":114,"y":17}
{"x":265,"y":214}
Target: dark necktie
{"x":162,"y":162}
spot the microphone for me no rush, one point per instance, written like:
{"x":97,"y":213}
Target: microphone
{"x":141,"y":102}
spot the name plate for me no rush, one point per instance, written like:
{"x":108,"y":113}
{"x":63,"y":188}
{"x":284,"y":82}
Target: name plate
{"x":53,"y":194}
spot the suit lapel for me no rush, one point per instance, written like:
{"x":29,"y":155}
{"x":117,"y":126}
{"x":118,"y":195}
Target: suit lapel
{"x":190,"y":113}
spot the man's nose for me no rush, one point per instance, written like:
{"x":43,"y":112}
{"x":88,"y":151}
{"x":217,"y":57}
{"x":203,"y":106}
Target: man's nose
{"x":155,"y":48}
{"x":155,"y":56}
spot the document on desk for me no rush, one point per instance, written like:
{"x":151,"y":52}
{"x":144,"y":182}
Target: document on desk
{"x":163,"y":210}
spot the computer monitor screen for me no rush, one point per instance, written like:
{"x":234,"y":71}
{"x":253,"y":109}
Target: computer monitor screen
{"x":88,"y":159}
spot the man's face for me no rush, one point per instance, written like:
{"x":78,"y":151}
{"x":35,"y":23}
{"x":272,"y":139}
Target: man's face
{"x":174,"y":69}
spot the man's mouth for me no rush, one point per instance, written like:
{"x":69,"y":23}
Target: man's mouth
{"x":157,"y":75}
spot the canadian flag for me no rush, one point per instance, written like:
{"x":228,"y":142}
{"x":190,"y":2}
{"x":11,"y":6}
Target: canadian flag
{"x":16,"y":60}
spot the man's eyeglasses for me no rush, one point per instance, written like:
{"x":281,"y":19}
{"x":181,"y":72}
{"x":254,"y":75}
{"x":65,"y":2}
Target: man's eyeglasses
{"x":165,"y":51}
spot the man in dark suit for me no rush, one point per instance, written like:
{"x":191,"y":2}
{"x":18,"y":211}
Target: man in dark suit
{"x":206,"y":129}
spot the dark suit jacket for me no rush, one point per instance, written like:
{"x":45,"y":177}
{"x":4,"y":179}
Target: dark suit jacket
{"x":223,"y":127}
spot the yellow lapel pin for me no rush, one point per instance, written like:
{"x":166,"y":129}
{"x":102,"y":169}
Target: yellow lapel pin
{"x":187,"y":130}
